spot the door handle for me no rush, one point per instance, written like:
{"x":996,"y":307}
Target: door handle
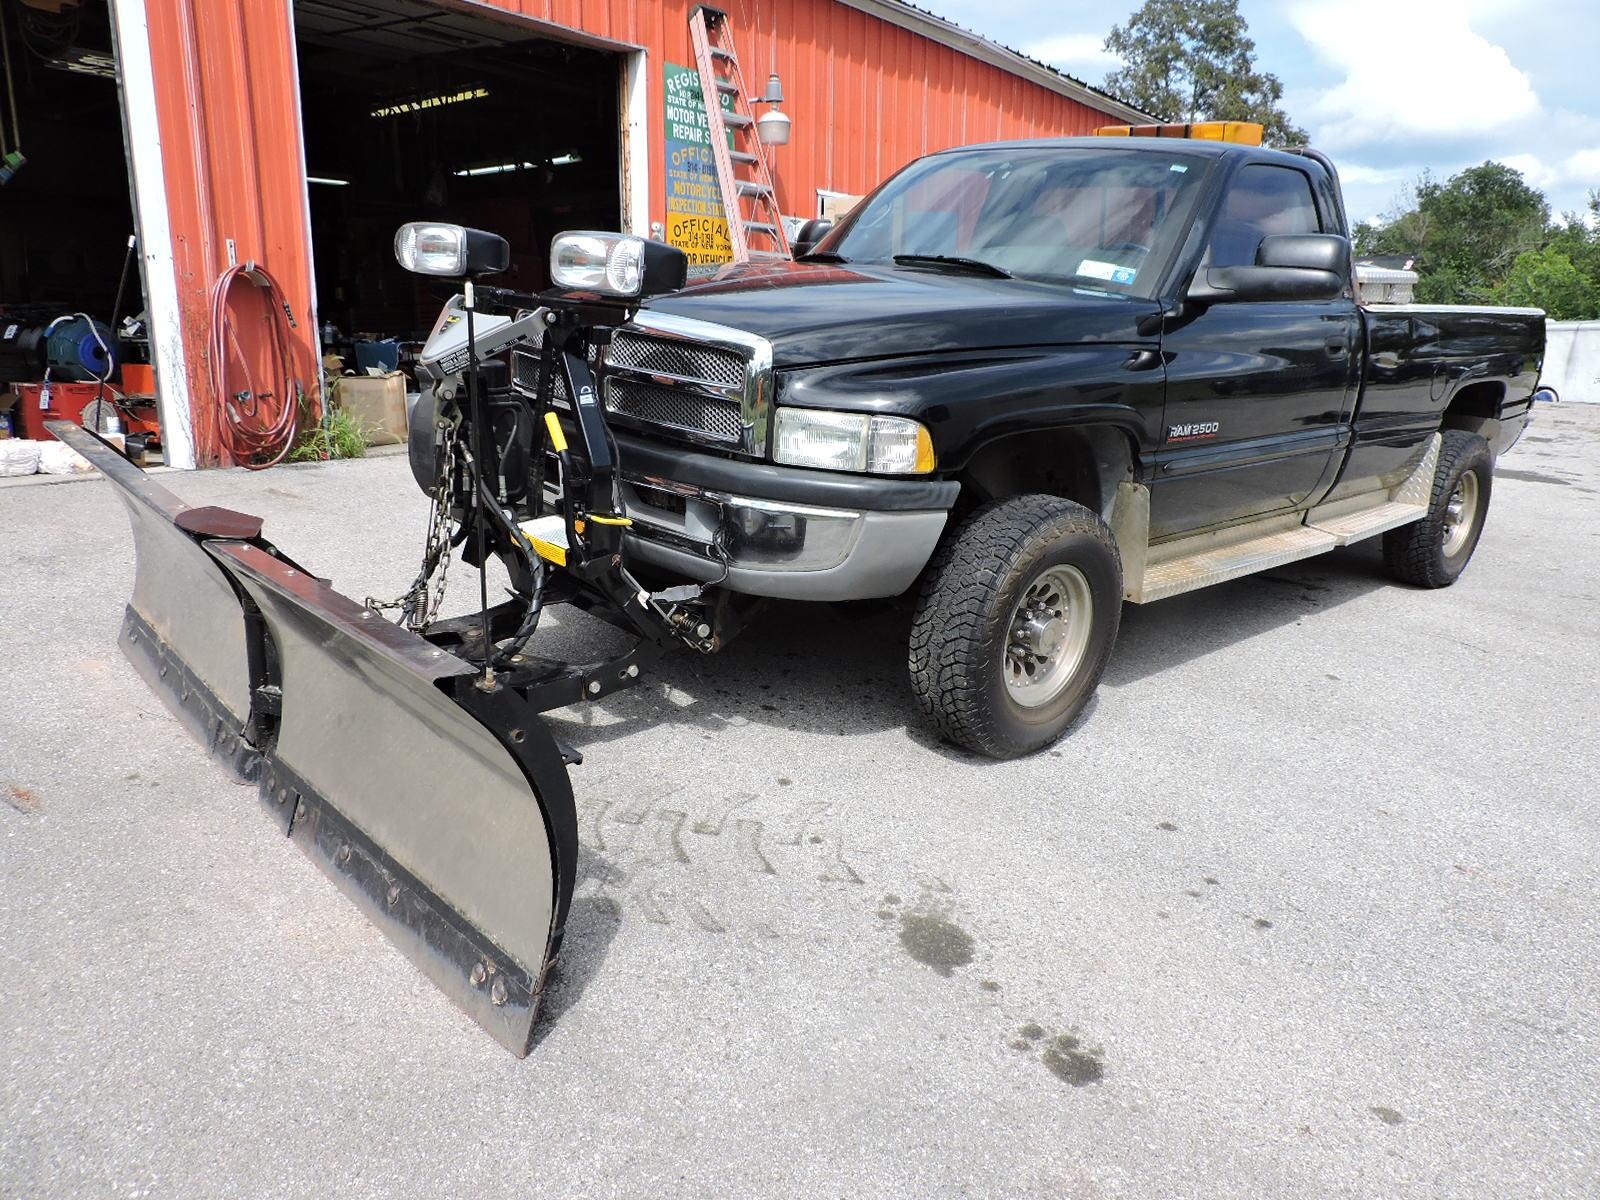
{"x":1142,"y":360}
{"x":1337,"y":348}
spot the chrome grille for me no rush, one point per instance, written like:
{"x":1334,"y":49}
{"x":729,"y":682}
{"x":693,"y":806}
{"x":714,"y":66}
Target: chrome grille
{"x":694,"y":380}
{"x":675,"y":408}
{"x":673,"y":356}
{"x":525,"y":374}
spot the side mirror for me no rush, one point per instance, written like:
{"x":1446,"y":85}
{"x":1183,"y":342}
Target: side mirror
{"x":429,"y":248}
{"x":616,"y":264}
{"x":1289,"y":266}
{"x":812,"y":232}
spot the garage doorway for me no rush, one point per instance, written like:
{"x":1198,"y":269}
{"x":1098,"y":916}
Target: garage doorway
{"x":74,"y":341}
{"x":413,"y":111}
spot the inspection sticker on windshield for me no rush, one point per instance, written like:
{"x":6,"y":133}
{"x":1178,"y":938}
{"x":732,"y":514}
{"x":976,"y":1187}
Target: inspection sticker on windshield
{"x":1110,"y":272}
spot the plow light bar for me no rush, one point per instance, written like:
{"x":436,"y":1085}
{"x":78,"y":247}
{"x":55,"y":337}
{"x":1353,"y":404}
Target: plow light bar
{"x":615,"y":264}
{"x":1246,"y":133}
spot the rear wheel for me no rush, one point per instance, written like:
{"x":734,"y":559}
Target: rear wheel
{"x":1433,"y":552}
{"x":1015,"y":624}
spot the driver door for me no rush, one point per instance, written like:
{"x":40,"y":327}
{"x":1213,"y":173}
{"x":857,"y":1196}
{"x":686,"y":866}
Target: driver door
{"x":1257,"y":392}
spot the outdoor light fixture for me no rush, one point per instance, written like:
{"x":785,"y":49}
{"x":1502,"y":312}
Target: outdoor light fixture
{"x":772,"y":126}
{"x":327,"y":180}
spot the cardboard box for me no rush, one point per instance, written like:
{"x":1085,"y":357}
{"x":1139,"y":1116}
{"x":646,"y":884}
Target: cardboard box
{"x":378,"y":404}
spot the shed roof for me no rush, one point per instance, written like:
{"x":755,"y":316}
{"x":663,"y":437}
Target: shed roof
{"x":935,"y":28}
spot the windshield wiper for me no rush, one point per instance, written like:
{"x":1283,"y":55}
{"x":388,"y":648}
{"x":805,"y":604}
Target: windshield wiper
{"x":821,"y":256}
{"x":952,"y":260}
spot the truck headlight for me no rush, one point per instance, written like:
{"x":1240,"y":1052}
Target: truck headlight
{"x":837,"y":441}
{"x":614,"y":264}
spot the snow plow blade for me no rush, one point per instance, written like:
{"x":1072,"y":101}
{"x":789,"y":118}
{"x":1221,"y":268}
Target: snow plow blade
{"x":442,"y":809}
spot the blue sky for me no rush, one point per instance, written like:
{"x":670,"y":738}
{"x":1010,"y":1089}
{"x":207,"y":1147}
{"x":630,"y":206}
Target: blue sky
{"x":1388,"y":87}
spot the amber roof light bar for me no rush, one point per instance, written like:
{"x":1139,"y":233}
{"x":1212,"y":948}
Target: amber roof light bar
{"x":1246,"y":133}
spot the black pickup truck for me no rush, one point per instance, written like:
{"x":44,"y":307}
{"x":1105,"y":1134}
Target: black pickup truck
{"x":1026,"y":382}
{"x":1019,"y":384}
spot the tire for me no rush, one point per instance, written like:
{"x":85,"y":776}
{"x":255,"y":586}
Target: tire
{"x":1432,"y":552}
{"x":989,"y":679}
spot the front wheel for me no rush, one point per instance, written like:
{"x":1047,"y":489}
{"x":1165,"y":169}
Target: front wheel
{"x":1015,"y":624}
{"x":1433,"y":552}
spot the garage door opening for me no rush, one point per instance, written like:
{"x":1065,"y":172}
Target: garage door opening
{"x":415,"y":112}
{"x":73,"y":340}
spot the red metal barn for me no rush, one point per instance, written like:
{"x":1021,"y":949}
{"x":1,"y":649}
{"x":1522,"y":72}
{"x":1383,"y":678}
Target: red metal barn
{"x":294,"y":133}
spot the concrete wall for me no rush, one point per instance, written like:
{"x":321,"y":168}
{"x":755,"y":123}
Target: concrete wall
{"x":1572,"y":360}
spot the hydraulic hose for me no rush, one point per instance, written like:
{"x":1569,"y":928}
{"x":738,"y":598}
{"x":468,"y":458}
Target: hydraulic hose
{"x":256,"y":424}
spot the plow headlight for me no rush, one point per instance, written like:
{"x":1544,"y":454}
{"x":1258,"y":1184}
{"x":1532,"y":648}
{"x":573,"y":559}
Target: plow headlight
{"x":431,"y":248}
{"x":836,"y":441}
{"x":615,"y":264}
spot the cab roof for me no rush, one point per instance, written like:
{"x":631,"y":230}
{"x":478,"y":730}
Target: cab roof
{"x":1141,"y":145}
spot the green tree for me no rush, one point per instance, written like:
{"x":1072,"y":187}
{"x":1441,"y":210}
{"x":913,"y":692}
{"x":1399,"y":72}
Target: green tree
{"x":1465,"y":233}
{"x":1548,"y":279}
{"x":1480,"y":221}
{"x":1193,"y":60}
{"x":1403,"y":230}
{"x":1579,"y":239}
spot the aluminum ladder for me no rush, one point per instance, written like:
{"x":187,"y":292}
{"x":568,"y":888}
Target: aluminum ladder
{"x":720,"y":76}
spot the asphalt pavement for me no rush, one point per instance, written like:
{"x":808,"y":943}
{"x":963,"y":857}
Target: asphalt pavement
{"x":1308,"y":907}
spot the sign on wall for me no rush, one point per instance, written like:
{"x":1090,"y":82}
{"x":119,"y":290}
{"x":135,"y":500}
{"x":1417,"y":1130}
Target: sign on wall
{"x":696,"y":223}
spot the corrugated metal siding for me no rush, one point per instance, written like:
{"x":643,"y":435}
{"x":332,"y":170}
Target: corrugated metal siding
{"x":230,"y":125}
{"x":866,"y":97}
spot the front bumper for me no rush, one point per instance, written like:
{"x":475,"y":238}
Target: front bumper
{"x":783,"y":532}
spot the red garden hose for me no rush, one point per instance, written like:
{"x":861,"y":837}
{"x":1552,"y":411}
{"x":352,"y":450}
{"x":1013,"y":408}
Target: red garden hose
{"x":256,"y":419}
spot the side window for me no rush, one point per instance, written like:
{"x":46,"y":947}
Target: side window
{"x":1262,"y":199}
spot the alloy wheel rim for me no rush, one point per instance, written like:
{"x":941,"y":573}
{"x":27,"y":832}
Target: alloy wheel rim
{"x":1048,"y":635}
{"x":1460,"y":514}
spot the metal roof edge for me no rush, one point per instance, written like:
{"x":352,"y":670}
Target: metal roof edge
{"x":947,"y":33}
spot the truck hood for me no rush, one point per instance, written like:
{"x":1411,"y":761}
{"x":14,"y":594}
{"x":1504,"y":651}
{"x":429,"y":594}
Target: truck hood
{"x":818,"y":312}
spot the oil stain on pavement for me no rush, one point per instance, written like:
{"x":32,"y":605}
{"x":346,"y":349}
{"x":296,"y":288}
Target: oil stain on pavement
{"x":1064,"y":1055}
{"x":928,"y":935}
{"x":935,"y":942}
{"x":931,"y":938}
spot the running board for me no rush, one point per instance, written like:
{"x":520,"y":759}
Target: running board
{"x":1216,"y":557}
{"x":1188,"y":572}
{"x":1367,"y":522}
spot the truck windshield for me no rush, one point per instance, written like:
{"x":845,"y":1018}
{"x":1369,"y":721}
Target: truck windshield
{"x":1103,"y":219}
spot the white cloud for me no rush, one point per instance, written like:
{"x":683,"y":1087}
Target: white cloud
{"x":1579,"y":167}
{"x":1085,"y":51}
{"x":1359,"y":174}
{"x":1411,"y":70}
